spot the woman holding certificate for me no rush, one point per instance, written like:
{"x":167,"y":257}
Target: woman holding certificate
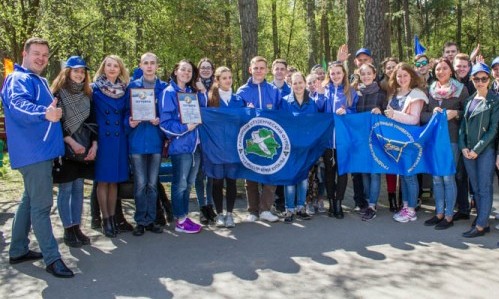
{"x":111,"y":164}
{"x":145,"y":142}
{"x":179,"y":118}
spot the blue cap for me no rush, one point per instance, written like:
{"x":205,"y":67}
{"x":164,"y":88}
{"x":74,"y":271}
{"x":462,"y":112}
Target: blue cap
{"x":480,"y":67}
{"x":495,"y":61}
{"x":75,"y":62}
{"x":363,"y":51}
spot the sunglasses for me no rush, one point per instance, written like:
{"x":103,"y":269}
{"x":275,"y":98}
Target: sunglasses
{"x":421,"y":63}
{"x":480,"y":79}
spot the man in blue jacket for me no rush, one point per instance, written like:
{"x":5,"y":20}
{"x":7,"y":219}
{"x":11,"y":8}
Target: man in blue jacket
{"x":35,"y":139}
{"x":260,"y":94}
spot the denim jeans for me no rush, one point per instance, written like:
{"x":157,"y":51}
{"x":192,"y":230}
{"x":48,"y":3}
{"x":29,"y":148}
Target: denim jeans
{"x":34,"y":211}
{"x":372,"y":182}
{"x":70,"y":202}
{"x":185,"y":168}
{"x":410,"y":189}
{"x":445,"y":190}
{"x":145,"y":176}
{"x":481,"y":175}
{"x":298,"y":192}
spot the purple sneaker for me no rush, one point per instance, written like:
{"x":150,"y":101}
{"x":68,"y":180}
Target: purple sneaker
{"x":188,"y":227}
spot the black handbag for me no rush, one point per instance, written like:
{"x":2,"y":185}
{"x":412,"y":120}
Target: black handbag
{"x":84,"y":137}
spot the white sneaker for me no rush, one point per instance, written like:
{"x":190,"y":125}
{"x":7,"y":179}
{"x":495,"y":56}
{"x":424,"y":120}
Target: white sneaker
{"x":267,"y":216}
{"x":220,"y":220}
{"x":229,"y":221}
{"x":252,"y":218}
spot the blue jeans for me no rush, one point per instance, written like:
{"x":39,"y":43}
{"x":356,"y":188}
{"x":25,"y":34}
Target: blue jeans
{"x":70,"y":202}
{"x":185,"y":168}
{"x":34,"y":211}
{"x":145,"y":177}
{"x":445,"y":190}
{"x":410,"y":189}
{"x":298,"y":192}
{"x":372,"y":182}
{"x":481,"y":175}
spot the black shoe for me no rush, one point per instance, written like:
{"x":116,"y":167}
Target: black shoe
{"x":474,"y":232}
{"x":59,"y":269}
{"x":70,"y":238}
{"x":29,"y":256}
{"x":485,"y":229}
{"x":392,"y":200}
{"x":203,"y":215}
{"x":444,"y":224}
{"x":81,"y":236}
{"x":433,"y":221}
{"x":303,"y":215}
{"x":370,"y":214}
{"x":107,"y":228}
{"x":138,"y":230}
{"x":460,"y":216}
{"x":338,"y":210}
{"x":211,"y":213}
{"x":289,"y":217}
{"x":96,"y":223}
{"x":154,"y":228}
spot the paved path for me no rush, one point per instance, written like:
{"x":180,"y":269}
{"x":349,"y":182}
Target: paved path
{"x":322,"y":258}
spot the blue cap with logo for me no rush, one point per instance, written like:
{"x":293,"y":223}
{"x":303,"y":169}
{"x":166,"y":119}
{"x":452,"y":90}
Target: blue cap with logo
{"x":75,"y":62}
{"x":363,"y":51}
{"x":494,"y":62}
{"x":480,"y":67}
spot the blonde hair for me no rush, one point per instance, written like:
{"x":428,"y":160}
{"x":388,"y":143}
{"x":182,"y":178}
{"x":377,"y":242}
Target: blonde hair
{"x":63,"y":80}
{"x":213,"y":94}
{"x":123,"y":76}
{"x":344,"y":82}
{"x":256,"y":59}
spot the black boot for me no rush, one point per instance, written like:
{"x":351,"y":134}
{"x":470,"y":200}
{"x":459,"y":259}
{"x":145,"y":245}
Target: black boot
{"x":81,"y":236}
{"x":107,"y":228}
{"x":203,"y":215}
{"x":114,"y":225}
{"x":211,"y":213}
{"x":70,"y":238}
{"x":392,"y":200}
{"x":95,"y":209}
{"x":330,"y":211}
{"x":338,"y":209}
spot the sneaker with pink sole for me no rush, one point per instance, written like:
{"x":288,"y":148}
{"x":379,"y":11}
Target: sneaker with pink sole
{"x":188,"y":227}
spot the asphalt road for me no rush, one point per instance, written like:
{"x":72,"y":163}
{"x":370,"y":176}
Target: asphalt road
{"x":322,"y":258}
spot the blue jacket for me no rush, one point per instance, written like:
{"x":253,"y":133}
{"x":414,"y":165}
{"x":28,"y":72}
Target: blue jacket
{"x":262,"y":96}
{"x":32,"y":138}
{"x":145,"y":138}
{"x":289,"y":104}
{"x":182,"y":141}
{"x":235,"y":102}
{"x":335,"y":98}
{"x":284,"y":90}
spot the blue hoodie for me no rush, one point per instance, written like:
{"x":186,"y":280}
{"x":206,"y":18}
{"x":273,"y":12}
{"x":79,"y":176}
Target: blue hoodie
{"x":182,"y":141}
{"x":145,"y":138}
{"x":262,"y":96}
{"x":32,"y":138}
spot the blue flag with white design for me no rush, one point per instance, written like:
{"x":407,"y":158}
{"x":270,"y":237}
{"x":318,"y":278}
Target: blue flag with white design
{"x":270,"y":147}
{"x":418,"y":47}
{"x":370,"y":143}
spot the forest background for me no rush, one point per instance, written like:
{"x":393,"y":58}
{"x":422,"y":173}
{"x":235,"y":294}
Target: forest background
{"x":230,"y":32}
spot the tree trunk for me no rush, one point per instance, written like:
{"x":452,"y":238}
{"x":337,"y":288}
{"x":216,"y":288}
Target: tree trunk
{"x":377,"y":29}
{"x":228,"y":40}
{"x":398,"y":26}
{"x":291,"y":30}
{"x":248,"y":20}
{"x":311,"y":33}
{"x":275,"y":36}
{"x":407,"y":29}
{"x":459,"y":23}
{"x":352,"y":30}
{"x":326,"y":7}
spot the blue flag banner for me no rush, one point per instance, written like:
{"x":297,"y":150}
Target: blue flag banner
{"x":418,"y":47}
{"x":370,"y":143}
{"x":269,"y":147}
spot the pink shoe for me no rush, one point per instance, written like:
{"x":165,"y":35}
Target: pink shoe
{"x":188,"y":227}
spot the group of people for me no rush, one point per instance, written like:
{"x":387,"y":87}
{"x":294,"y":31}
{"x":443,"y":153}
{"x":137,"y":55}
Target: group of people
{"x":77,"y":129}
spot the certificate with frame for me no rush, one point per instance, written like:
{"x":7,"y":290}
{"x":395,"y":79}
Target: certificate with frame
{"x":142,"y":104}
{"x":188,"y":105}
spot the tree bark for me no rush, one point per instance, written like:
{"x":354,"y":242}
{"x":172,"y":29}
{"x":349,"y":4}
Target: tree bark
{"x":248,"y":21}
{"x":377,"y":29}
{"x":352,"y":30}
{"x":326,"y":7}
{"x":275,"y":36}
{"x":407,"y":29}
{"x":228,"y":39}
{"x":291,"y":29}
{"x":311,"y":33}
{"x":459,"y":23}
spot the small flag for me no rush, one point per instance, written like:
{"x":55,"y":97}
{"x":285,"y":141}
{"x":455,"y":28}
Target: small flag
{"x":418,"y":47}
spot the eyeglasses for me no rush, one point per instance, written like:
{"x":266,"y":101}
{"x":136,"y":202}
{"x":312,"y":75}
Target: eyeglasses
{"x":480,"y":79}
{"x":205,"y":68}
{"x":421,"y":63}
